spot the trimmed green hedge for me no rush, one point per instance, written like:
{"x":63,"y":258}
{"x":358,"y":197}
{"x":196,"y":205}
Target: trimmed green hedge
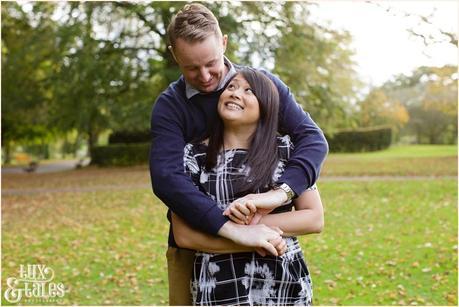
{"x":362,"y":139}
{"x":129,"y":137}
{"x":121,"y":154}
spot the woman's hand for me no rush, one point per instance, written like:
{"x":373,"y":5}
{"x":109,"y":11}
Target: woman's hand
{"x":257,"y":236}
{"x":250,"y":208}
{"x":279,"y":244}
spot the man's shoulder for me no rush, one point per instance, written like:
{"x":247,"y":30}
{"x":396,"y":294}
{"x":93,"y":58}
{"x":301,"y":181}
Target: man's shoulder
{"x":175,"y":91}
{"x":172,"y":97}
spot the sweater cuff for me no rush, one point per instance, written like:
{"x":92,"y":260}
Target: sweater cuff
{"x":295,"y":178}
{"x":213,"y":220}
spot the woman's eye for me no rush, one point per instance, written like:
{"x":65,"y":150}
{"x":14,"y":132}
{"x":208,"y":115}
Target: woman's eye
{"x":230,"y":86}
{"x":248,"y":90}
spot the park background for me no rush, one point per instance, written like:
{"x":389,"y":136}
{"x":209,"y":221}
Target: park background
{"x":78,"y":84}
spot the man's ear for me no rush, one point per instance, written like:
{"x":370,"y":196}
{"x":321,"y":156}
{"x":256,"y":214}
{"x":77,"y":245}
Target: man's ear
{"x":172,"y":51}
{"x":225,"y":42}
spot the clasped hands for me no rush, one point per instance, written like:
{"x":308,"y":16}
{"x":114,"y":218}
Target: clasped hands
{"x":249,"y":210}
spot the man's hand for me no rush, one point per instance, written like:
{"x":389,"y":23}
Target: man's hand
{"x":250,"y":208}
{"x":258,"y":236}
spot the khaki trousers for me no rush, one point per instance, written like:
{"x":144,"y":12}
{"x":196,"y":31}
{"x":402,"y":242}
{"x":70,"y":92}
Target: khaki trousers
{"x":179,"y":269}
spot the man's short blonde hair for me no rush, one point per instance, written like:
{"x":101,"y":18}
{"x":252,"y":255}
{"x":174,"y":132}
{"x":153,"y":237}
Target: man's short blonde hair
{"x":193,"y":23}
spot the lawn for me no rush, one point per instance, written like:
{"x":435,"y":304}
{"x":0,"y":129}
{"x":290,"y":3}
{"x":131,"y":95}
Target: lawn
{"x":413,"y":160}
{"x":384,"y":242}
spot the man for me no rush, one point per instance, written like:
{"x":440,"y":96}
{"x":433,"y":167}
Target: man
{"x":185,"y":111}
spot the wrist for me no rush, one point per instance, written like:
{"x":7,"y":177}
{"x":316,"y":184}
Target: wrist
{"x":287,"y":191}
{"x":280,"y":196}
{"x":228,"y":230}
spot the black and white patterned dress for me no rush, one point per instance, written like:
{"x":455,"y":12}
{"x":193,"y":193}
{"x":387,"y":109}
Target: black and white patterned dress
{"x":244,"y":278}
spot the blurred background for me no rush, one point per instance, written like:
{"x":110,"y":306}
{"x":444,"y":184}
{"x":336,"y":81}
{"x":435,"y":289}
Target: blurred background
{"x":78,"y":82}
{"x":76,"y":73}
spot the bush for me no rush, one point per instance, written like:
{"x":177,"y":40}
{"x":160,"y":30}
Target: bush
{"x":121,"y":154}
{"x":362,"y":139}
{"x":129,"y":137}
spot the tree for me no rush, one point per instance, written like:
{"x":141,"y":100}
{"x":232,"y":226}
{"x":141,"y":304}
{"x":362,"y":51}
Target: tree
{"x":430,"y":96}
{"x":27,"y":47}
{"x":377,"y":110}
{"x":316,"y":64}
{"x":99,"y":66}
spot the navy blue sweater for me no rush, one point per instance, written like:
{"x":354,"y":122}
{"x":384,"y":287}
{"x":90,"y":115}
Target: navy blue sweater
{"x":177,"y":120}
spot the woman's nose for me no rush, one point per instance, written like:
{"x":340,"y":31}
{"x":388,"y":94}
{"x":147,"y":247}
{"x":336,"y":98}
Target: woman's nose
{"x":236,"y":93}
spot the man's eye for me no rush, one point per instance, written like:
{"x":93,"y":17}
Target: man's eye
{"x":230,"y":86}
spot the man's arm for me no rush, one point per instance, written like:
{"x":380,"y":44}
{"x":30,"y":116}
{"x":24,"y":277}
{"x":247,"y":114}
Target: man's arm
{"x":188,"y":237}
{"x":310,"y":145}
{"x":169,"y":181}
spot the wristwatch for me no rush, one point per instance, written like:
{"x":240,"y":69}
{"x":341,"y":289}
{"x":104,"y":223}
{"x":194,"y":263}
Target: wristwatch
{"x":284,"y":187}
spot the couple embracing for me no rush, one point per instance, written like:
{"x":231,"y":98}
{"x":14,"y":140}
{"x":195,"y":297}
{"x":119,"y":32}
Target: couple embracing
{"x":235,"y":159}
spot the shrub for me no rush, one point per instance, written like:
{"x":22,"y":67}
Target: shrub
{"x":362,"y":139}
{"x":121,"y":154}
{"x":129,"y":137}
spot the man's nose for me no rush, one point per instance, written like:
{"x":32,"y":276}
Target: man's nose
{"x":204,"y":75}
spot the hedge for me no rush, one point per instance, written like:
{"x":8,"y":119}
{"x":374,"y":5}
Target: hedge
{"x":129,"y":137}
{"x":362,"y":139}
{"x":120,"y":154}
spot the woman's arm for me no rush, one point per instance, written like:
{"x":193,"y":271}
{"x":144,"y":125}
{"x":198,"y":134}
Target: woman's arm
{"x":187,"y":237}
{"x":308,"y":216}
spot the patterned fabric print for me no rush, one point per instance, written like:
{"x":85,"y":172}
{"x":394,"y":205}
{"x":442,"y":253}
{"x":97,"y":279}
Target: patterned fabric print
{"x":244,"y":278}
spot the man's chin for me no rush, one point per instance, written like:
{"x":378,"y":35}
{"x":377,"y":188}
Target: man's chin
{"x":208,"y":89}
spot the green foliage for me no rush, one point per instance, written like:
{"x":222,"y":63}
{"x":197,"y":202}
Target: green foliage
{"x":378,"y":109}
{"x":316,"y":63}
{"x":430,"y":96}
{"x":120,"y":154}
{"x":26,"y":70}
{"x":362,"y":139}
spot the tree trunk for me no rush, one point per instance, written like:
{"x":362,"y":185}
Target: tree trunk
{"x":7,"y":152}
{"x":92,"y":142}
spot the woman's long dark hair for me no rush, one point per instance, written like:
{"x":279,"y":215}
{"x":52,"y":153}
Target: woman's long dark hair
{"x":262,"y":156}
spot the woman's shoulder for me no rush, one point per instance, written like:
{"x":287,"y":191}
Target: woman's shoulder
{"x":194,"y":149}
{"x":284,"y":146}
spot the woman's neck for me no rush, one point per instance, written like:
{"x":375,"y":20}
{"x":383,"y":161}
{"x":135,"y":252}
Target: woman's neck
{"x":237,"y":137}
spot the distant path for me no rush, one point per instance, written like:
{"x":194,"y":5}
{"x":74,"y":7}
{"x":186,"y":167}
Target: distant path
{"x":46,"y":167}
{"x":30,"y":191}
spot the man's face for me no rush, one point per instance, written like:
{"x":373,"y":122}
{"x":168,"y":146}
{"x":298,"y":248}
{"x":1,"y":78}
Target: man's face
{"x":202,"y":63}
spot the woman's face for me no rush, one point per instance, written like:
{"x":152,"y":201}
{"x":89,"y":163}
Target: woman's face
{"x":238,"y":105}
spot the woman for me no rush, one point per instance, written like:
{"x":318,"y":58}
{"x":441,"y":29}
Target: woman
{"x":244,"y":155}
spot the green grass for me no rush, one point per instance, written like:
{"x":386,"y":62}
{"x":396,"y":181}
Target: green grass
{"x":109,"y":247}
{"x":384,"y":242}
{"x":413,"y":160}
{"x":406,"y":151}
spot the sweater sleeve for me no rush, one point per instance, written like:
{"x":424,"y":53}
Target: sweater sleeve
{"x":169,"y":181}
{"x":310,"y":145}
